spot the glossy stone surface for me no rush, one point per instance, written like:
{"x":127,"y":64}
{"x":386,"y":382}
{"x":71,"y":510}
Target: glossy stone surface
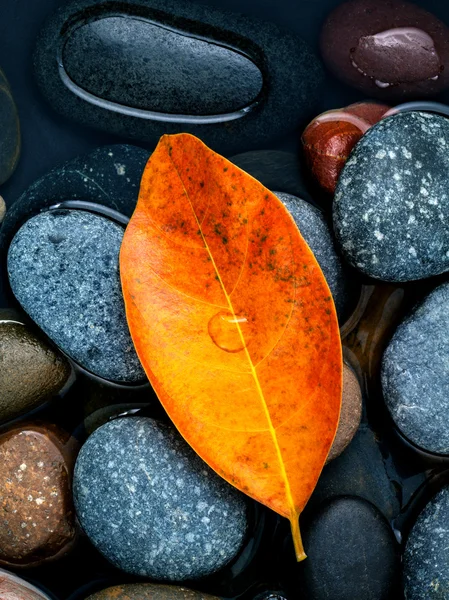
{"x":15,"y":588}
{"x":152,"y":506}
{"x":149,"y":591}
{"x":63,"y":268}
{"x":426,"y":556}
{"x":142,"y":65}
{"x":387,"y":48}
{"x":155,"y":67}
{"x":38,"y":521}
{"x":31,"y":371}
{"x":415,"y":373}
{"x":351,"y":553}
{"x":392,"y":197}
{"x":9,"y":132}
{"x":314,"y":228}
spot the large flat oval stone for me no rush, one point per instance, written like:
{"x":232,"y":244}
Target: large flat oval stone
{"x":148,"y":67}
{"x":63,"y":269}
{"x":139,"y":64}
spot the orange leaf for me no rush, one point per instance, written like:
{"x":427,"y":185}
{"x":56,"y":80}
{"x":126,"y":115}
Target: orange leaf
{"x":234,"y":324}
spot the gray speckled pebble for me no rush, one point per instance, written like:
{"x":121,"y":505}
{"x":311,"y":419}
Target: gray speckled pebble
{"x":415,"y":373}
{"x":392,"y":199}
{"x":152,"y":506}
{"x":315,"y":231}
{"x":63,"y":269}
{"x":426,"y":556}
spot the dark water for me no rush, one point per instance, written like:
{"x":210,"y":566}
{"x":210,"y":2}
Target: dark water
{"x":267,"y":562}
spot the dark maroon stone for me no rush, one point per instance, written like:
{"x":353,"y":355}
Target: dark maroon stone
{"x":387,"y":48}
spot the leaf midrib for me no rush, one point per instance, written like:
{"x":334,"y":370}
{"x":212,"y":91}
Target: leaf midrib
{"x":271,"y":427}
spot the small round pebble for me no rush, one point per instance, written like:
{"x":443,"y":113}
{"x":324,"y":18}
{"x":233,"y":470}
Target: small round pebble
{"x":63,"y":267}
{"x":350,"y":415}
{"x":31,"y":371}
{"x":152,"y":506}
{"x":314,"y":229}
{"x":2,"y":209}
{"x":351,"y":553}
{"x":415,"y":373}
{"x":392,"y":199}
{"x":426,"y":556}
{"x":36,"y":512}
{"x":149,"y":591}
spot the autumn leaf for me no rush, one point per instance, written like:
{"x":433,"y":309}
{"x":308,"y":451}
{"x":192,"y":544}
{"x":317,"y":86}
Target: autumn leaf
{"x":234,"y":323}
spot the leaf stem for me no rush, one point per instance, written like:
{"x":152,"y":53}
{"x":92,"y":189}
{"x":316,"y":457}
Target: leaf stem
{"x":297,"y":541}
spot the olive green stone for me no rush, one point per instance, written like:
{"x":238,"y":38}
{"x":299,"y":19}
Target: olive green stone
{"x":149,"y":591}
{"x":31,"y":372}
{"x":9,"y":131}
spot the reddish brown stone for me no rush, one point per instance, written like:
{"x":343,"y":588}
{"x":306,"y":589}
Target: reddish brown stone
{"x":387,"y":48}
{"x":329,"y":139}
{"x":14,"y":588}
{"x":35,"y":498}
{"x":149,"y":591}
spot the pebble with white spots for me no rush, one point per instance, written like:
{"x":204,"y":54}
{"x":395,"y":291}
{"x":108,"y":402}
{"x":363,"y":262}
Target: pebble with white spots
{"x":392,"y":199}
{"x":152,"y":506}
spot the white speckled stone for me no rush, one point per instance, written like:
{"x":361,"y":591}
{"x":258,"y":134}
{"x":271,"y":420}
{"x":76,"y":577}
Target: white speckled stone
{"x":152,"y":506}
{"x":415,"y":373}
{"x":63,"y":268}
{"x":426,"y":556}
{"x":392,"y":199}
{"x":314,"y":229}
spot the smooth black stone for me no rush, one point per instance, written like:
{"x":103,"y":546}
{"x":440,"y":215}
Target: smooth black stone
{"x":151,"y":506}
{"x":9,"y":131}
{"x":97,"y":75}
{"x":351,"y":553}
{"x":392,"y":199}
{"x":360,"y":470}
{"x":415,"y":373}
{"x":109,"y":175}
{"x":426,"y":556}
{"x":142,"y":65}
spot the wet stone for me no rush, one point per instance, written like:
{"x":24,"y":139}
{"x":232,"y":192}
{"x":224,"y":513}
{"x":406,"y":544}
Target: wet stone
{"x":38,"y":521}
{"x":149,"y":591}
{"x":387,"y":48}
{"x":31,"y":371}
{"x":9,"y":133}
{"x":392,"y":198}
{"x":132,"y":477}
{"x":63,"y":267}
{"x":15,"y":588}
{"x":426,"y":556}
{"x":153,"y":68}
{"x":415,"y":373}
{"x":313,"y":227}
{"x":351,"y":553}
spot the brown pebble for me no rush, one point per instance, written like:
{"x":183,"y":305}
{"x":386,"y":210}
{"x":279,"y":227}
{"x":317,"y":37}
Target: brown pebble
{"x":31,"y":371}
{"x":14,"y":588}
{"x":149,"y":591}
{"x":36,"y":510}
{"x":2,"y":209}
{"x":351,"y":413}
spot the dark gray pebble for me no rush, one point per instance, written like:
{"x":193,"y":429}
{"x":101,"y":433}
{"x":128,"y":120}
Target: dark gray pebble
{"x":168,"y":66}
{"x":415,"y":373}
{"x":392,"y":199}
{"x":152,"y":506}
{"x":313,"y":227}
{"x":426,"y":556}
{"x":9,"y":131}
{"x":63,"y":268}
{"x":351,"y":553}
